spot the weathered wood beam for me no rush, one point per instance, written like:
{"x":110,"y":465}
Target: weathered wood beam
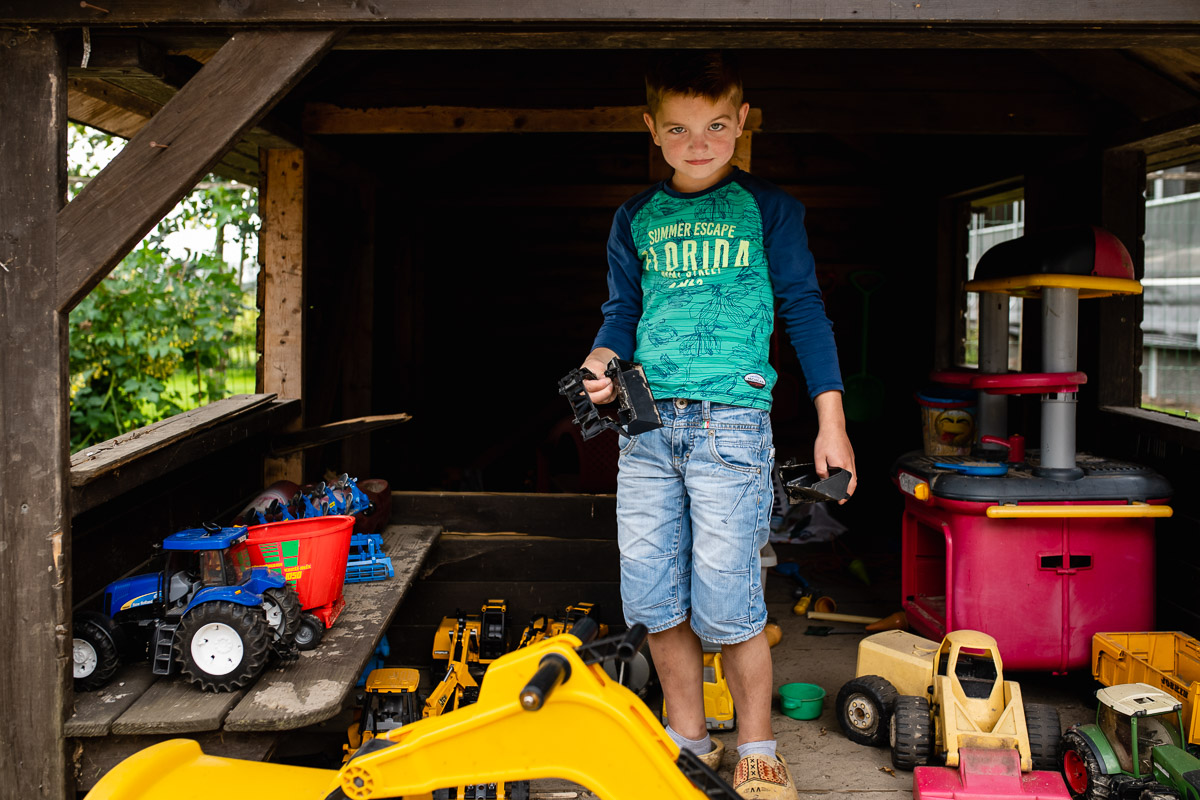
{"x":35,"y":575}
{"x":328,"y":118}
{"x":149,"y":12}
{"x":282,"y":293}
{"x":175,"y":149}
{"x":612,"y":195}
{"x":1115,"y":75}
{"x":795,"y":111}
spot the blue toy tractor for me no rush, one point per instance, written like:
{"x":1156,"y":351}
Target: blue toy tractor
{"x":205,"y":612}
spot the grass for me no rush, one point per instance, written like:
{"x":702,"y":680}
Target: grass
{"x":181,"y":387}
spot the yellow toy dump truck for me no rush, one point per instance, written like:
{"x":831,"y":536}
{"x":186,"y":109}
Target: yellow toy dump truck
{"x":929,"y":700}
{"x":1167,"y":660}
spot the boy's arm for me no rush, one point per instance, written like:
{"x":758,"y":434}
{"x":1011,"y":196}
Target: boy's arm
{"x":832,"y":447}
{"x":617,"y":337}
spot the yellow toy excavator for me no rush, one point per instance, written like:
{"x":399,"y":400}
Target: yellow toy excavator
{"x":546,"y":711}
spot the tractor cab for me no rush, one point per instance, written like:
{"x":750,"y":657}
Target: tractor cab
{"x":1136,"y":719}
{"x":199,"y":558}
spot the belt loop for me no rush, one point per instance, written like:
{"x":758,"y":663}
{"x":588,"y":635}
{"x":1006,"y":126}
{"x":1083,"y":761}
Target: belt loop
{"x":706,"y":411}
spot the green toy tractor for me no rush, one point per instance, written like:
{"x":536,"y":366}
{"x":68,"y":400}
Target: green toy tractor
{"x":1134,"y":751}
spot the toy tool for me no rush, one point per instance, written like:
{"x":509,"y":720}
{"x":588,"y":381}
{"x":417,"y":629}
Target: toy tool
{"x":637,"y":412}
{"x":802,"y":484}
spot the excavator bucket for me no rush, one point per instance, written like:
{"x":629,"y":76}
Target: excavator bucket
{"x":178,"y":769}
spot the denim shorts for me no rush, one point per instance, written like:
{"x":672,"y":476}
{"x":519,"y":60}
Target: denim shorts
{"x":693,"y":511}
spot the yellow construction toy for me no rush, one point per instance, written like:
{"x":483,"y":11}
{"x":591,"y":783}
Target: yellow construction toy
{"x":545,"y":627}
{"x":719,"y":713}
{"x":545,"y":711}
{"x":483,"y":637}
{"x":930,"y":700}
{"x":1167,"y":660}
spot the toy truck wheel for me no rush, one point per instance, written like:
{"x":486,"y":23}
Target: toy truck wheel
{"x":94,"y":651}
{"x":910,"y":732}
{"x":222,"y":646}
{"x":309,"y":632}
{"x":282,"y":607}
{"x":1080,"y":768}
{"x":1042,"y":724}
{"x":864,"y":707}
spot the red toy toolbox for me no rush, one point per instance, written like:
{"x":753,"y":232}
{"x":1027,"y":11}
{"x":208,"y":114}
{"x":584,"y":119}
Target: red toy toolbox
{"x":1040,"y":565}
{"x":311,"y":554}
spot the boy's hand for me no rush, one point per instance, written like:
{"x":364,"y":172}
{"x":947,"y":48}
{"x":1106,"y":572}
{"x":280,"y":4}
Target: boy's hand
{"x":601,"y":389}
{"x":832,"y":448}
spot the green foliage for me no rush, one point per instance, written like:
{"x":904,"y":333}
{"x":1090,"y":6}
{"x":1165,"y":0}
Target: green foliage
{"x":156,"y":316}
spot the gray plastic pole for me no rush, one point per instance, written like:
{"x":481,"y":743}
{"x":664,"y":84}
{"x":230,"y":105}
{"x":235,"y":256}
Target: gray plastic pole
{"x":993,"y":359}
{"x":1060,"y":353}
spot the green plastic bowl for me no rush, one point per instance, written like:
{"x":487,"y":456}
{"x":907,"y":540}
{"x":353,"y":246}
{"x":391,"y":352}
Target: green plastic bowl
{"x":801,"y":700}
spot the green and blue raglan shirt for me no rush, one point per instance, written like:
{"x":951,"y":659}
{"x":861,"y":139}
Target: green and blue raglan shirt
{"x":692,"y":280}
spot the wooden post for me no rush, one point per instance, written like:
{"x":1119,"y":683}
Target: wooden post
{"x":35,"y":585}
{"x":281,"y":244}
{"x":1123,"y":213}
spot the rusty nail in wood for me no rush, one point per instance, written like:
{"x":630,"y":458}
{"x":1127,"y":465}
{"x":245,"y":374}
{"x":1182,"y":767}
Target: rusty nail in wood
{"x":86,"y":4}
{"x":156,"y":144}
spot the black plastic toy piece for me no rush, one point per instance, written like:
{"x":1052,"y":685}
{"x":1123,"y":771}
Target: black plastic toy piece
{"x":802,"y":484}
{"x":637,"y":413}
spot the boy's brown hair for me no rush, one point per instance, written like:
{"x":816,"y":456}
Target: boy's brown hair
{"x":692,"y":73}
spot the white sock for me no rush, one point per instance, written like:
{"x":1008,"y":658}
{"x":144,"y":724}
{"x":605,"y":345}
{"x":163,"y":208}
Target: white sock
{"x":765,"y":748}
{"x":698,"y":746}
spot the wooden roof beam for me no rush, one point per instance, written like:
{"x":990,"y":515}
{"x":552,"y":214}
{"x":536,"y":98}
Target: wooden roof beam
{"x":177,"y":147}
{"x":329,"y":12}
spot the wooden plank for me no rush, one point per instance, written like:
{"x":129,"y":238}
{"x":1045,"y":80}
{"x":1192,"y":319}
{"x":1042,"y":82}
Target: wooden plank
{"x":172,"y":705}
{"x":612,"y":195}
{"x":96,"y":756}
{"x":95,"y":712}
{"x":175,"y":149}
{"x":570,"y":516}
{"x":328,"y":118}
{"x":262,"y":419}
{"x":35,"y":530}
{"x":1098,"y":13}
{"x":114,"y":57}
{"x":314,"y":689}
{"x":93,"y":462}
{"x":1117,"y":75}
{"x":282,"y":294}
{"x":334,"y":431}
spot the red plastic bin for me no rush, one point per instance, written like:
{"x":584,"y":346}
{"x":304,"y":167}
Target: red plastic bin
{"x":311,"y":554}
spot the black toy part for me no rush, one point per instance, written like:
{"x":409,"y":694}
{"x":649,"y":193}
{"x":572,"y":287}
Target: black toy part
{"x":637,"y":413}
{"x":802,"y":484}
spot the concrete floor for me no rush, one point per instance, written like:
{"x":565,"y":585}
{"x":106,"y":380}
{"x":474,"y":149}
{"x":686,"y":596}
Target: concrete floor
{"x":823,"y":760}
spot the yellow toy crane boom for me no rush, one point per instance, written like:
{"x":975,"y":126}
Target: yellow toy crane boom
{"x":536,"y":707}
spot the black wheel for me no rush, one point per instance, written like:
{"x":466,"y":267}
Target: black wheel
{"x":1080,"y":769}
{"x":309,"y":632}
{"x":910,"y":732}
{"x":517,"y":790}
{"x":222,"y":646}
{"x":1159,"y":793}
{"x":282,"y":608}
{"x":1045,"y":730}
{"x":443,"y":794}
{"x":94,"y":650}
{"x":864,"y":708}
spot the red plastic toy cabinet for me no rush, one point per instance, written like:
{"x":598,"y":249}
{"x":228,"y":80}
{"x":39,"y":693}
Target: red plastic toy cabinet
{"x":1040,"y":575}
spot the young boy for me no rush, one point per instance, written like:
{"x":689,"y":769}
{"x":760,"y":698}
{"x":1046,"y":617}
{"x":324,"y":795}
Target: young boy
{"x":694,"y":265}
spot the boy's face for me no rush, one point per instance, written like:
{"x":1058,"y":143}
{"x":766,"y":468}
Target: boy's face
{"x":697,"y":137}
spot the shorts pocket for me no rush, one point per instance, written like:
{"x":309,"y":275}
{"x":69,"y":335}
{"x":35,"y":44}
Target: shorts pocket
{"x":625,"y":443}
{"x":737,"y":449}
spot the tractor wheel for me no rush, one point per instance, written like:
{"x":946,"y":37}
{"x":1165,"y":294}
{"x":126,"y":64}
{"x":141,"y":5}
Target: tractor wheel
{"x":864,"y":707}
{"x":222,"y":646}
{"x":282,"y":607}
{"x":94,"y":649}
{"x":1041,"y":721}
{"x":309,"y":632}
{"x":1159,"y":793}
{"x":1080,"y":768}
{"x":911,"y":732}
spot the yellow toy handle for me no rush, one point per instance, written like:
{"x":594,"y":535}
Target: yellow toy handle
{"x":1085,"y":511}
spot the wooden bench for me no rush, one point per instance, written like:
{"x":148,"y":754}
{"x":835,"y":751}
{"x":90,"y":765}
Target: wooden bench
{"x":139,"y":708}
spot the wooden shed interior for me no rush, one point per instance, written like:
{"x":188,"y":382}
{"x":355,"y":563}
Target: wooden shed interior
{"x":436,"y":196}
